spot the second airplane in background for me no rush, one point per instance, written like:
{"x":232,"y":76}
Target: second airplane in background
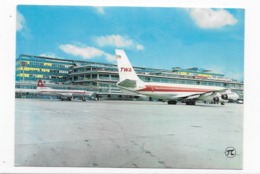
{"x":62,"y":93}
{"x":172,"y":93}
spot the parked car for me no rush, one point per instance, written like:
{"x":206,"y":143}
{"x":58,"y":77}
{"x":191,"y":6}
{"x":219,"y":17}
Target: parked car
{"x":240,"y":101}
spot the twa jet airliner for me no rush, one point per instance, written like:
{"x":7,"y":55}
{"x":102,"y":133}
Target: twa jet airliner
{"x":69,"y":94}
{"x":172,"y":93}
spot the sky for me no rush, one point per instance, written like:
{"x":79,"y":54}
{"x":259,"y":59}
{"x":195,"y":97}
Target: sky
{"x":153,"y":37}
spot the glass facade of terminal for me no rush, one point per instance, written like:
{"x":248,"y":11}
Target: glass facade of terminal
{"x":32,"y":68}
{"x":103,"y":74}
{"x":102,"y":77}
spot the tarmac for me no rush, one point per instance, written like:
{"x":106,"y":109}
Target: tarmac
{"x":127,"y":134}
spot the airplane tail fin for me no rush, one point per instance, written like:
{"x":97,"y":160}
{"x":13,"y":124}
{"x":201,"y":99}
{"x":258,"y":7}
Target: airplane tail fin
{"x":127,"y":75}
{"x":40,"y":83}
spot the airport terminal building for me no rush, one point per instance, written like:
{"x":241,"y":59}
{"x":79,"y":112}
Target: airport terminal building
{"x":102,"y":77}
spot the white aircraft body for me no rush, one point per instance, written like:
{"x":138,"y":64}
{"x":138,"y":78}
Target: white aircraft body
{"x":171,"y":93}
{"x":26,"y":91}
{"x":69,"y":94}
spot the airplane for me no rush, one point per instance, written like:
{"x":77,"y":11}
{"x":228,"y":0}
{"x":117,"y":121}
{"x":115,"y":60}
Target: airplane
{"x":64,"y":94}
{"x":172,"y":93}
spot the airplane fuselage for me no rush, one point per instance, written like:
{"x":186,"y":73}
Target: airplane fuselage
{"x":168,"y":91}
{"x":49,"y":91}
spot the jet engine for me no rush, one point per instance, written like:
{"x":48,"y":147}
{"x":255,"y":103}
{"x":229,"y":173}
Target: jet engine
{"x":216,"y":99}
{"x":219,"y":97}
{"x":230,"y":96}
{"x":210,"y":97}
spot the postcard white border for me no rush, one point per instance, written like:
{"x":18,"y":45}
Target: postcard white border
{"x":252,"y":71}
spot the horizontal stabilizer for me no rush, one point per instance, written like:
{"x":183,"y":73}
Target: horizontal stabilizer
{"x":127,"y":83}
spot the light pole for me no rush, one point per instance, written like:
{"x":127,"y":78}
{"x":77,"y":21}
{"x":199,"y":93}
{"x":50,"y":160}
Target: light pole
{"x":23,"y":64}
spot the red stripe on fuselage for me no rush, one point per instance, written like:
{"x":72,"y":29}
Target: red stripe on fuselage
{"x":172,"y":89}
{"x":65,"y":92}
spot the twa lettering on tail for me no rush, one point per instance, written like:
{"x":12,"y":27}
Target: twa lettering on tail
{"x":123,"y":69}
{"x":171,"y":93}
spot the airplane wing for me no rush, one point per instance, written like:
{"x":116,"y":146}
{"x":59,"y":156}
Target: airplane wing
{"x":215,"y":95}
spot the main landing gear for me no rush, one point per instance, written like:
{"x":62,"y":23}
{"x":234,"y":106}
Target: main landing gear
{"x":172,"y":102}
{"x":190,"y":102}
